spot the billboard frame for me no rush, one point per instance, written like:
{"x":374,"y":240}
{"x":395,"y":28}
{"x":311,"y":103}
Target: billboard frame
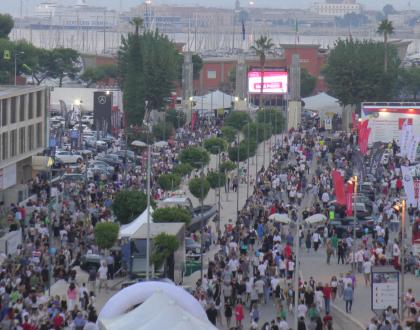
{"x":267,"y":69}
{"x":384,"y":270}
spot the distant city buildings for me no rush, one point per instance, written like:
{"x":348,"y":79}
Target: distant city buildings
{"x":337,"y":8}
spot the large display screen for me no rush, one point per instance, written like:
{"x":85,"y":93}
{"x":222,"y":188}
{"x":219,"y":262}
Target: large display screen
{"x":275,"y":82}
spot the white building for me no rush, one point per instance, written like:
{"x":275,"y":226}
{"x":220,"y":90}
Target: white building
{"x":337,"y":8}
{"x":23,"y":134}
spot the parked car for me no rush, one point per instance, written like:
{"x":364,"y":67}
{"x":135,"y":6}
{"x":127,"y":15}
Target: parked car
{"x":87,"y":119}
{"x":344,"y":228}
{"x":192,"y":246}
{"x":110,"y":159}
{"x":68,"y":157}
{"x":89,"y":261}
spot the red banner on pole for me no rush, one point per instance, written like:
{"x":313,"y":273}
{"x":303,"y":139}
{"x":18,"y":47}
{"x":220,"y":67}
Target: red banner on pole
{"x":338,"y":181}
{"x":193,"y":119}
{"x":349,"y":199}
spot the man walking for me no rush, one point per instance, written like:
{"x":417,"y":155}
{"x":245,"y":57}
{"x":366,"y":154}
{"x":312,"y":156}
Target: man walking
{"x":348,"y":297}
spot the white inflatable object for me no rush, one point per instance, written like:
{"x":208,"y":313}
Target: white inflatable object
{"x":138,"y":293}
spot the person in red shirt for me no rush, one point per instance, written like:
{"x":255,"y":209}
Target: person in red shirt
{"x":399,"y":185}
{"x":239,"y":313}
{"x":327,"y":320}
{"x":287,"y":251}
{"x":327,"y":290}
{"x":27,"y":325}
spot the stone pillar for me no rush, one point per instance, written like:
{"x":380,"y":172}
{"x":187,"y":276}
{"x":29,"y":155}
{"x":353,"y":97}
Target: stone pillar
{"x":241,"y":83}
{"x":294,"y":110}
{"x":187,"y":84}
{"x":346,"y":117}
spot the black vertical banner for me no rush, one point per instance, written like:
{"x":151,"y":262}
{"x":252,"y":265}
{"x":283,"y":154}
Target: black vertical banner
{"x":102,"y":111}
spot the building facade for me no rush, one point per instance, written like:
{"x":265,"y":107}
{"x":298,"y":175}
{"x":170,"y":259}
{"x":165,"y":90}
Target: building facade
{"x":337,"y":8}
{"x":23,"y":134}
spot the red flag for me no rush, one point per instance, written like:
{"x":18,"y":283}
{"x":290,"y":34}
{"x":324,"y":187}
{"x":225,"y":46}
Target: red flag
{"x":193,"y":119}
{"x":349,"y":199}
{"x":364,"y":132}
{"x":339,"y":187}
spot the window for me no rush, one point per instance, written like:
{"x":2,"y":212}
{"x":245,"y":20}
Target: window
{"x":4,"y":146}
{"x":13,"y":110}
{"x":38,"y":104}
{"x":30,"y":137}
{"x":211,"y":74}
{"x":31,"y":106}
{"x":4,"y":113}
{"x":22,"y":140}
{"x":22,"y":104}
{"x":39,"y":135}
{"x":13,"y":143}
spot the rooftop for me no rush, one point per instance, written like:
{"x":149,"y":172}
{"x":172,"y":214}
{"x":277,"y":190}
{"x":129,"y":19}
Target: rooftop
{"x":11,"y":90}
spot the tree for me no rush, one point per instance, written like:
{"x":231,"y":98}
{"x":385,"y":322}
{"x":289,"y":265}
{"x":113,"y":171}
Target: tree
{"x":183,"y":169}
{"x":354,"y":72}
{"x":164,"y":246}
{"x":237,"y":119}
{"x":388,"y":10}
{"x":194,"y":156}
{"x":196,"y":185}
{"x":410,"y":81}
{"x":227,"y":166}
{"x":214,"y":145}
{"x":162,"y":130}
{"x":228,"y":133}
{"x":6,"y":25}
{"x":385,"y":28}
{"x":170,"y":181}
{"x":128,"y":204}
{"x":65,"y":62}
{"x":307,"y":83}
{"x":106,"y":234}
{"x":176,"y":117}
{"x":172,"y":214}
{"x":197,"y":62}
{"x":273,"y":118}
{"x":262,"y":47}
{"x":100,"y":73}
{"x":243,"y":150}
{"x":216,"y":179}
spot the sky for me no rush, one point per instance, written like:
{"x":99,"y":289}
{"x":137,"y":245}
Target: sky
{"x":13,"y":6}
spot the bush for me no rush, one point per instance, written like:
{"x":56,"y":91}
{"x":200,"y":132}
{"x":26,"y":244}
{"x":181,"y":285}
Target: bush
{"x":106,"y":234}
{"x":273,"y":118}
{"x":243,"y":150}
{"x":183,"y":169}
{"x":237,"y":119}
{"x":172,"y":214}
{"x":195,"y":187}
{"x":162,"y":130}
{"x":228,"y":133}
{"x":169,"y":181}
{"x":252,"y":146}
{"x":128,"y":204}
{"x":164,"y":245}
{"x":214,"y":145}
{"x":214,"y":177}
{"x":227,"y":166}
{"x":176,"y":117}
{"x":194,"y":156}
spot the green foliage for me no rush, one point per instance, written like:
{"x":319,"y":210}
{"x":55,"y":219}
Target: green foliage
{"x":100,"y":73}
{"x":162,"y":130}
{"x":354,"y":71}
{"x":197,"y":62}
{"x":228,"y":133}
{"x":65,"y":62}
{"x":307,"y":83}
{"x":148,"y":65}
{"x":172,"y":214}
{"x":194,"y":156}
{"x":128,"y":204}
{"x":273,"y":118}
{"x":410,"y":81}
{"x":216,"y":179}
{"x":214,"y":145}
{"x":106,"y":234}
{"x":243,"y":150}
{"x":176,"y":117}
{"x":196,"y":185}
{"x":164,"y":245}
{"x":237,"y":119}
{"x":227,"y":166}
{"x":183,"y":169}
{"x":6,"y":25}
{"x":170,"y":181}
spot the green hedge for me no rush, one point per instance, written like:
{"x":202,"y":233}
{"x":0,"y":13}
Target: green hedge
{"x":170,"y":181}
{"x":172,"y":214}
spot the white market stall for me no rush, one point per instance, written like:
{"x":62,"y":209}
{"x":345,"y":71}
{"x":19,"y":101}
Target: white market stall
{"x":130,"y":229}
{"x":213,"y":101}
{"x":323,"y":104}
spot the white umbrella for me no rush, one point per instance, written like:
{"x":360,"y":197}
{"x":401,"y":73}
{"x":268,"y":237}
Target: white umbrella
{"x":281,"y":218}
{"x":316,"y":218}
{"x":137,"y":143}
{"x":160,"y":144}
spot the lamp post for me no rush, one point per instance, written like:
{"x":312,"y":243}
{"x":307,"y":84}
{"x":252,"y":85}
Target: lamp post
{"x":237,"y":181}
{"x":296,"y":278}
{"x":247,"y":161}
{"x":403,"y":229}
{"x":354,"y":223}
{"x":191,"y":106}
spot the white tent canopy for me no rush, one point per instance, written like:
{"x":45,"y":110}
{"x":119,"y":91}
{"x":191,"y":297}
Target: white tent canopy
{"x":159,"y":311}
{"x":129,"y":229}
{"x":213,"y":101}
{"x":323,"y":103}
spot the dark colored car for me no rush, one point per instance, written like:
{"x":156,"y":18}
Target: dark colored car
{"x":89,"y":261}
{"x":110,"y":159}
{"x":344,"y":228}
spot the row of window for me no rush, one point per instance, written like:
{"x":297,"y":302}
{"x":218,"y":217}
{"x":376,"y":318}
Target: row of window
{"x":20,"y":141}
{"x":20,"y":108}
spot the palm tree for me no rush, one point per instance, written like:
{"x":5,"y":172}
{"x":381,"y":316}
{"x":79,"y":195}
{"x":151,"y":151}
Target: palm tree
{"x":385,"y":28}
{"x":262,"y":47}
{"x":137,"y":22}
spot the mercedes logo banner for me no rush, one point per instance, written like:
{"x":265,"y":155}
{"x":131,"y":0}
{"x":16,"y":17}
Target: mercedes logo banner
{"x":102,"y":111}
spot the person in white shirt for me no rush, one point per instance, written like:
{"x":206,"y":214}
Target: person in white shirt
{"x":316,"y":238}
{"x":367,"y":268}
{"x":103,"y":276}
{"x":283,"y":325}
{"x":395,"y":254}
{"x":302,"y":309}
